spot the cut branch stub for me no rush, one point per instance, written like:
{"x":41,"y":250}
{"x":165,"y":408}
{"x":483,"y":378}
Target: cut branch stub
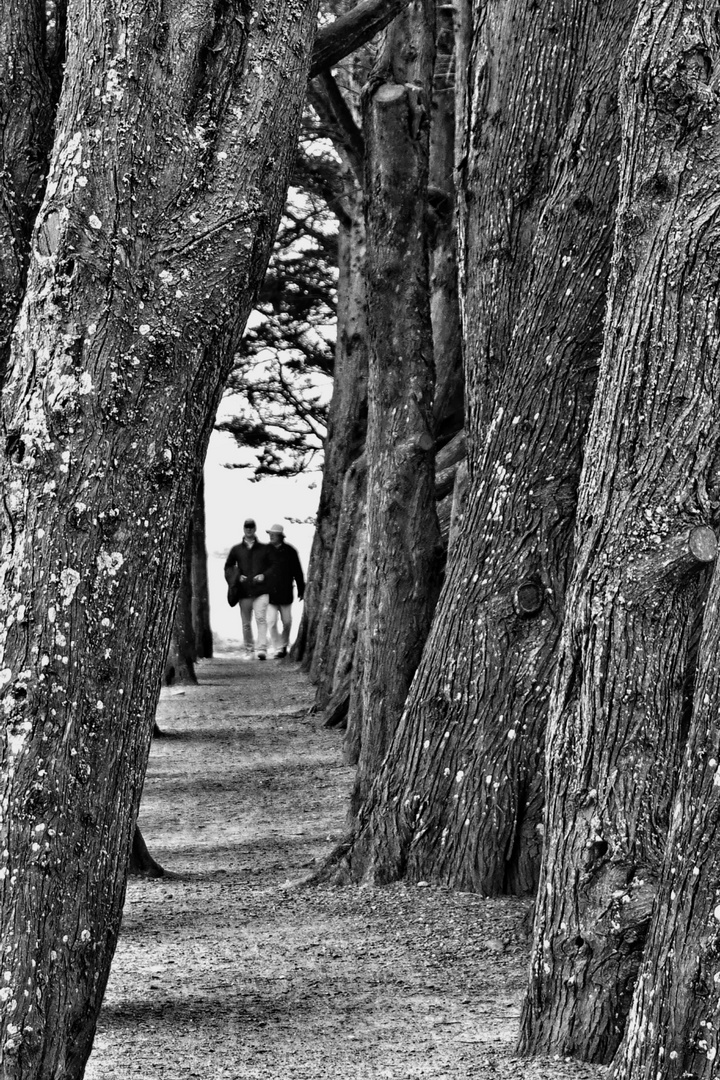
{"x":702,"y":543}
{"x":680,"y":557}
{"x":528,"y":598}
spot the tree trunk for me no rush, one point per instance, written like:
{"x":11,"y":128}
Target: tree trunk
{"x":344,"y":592}
{"x":448,"y":404}
{"x":649,"y":493}
{"x":450,"y":466}
{"x":347,"y":423}
{"x":202,"y":631}
{"x":459,"y":797}
{"x":141,"y":862}
{"x":167,"y":179}
{"x":27,"y":106}
{"x":403,"y":539}
{"x":182,"y":654}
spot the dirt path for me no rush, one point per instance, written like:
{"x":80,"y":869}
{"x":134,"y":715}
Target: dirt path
{"x":225,"y":971}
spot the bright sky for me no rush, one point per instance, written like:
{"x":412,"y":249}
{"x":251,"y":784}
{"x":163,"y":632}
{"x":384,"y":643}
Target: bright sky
{"x":230,"y":497}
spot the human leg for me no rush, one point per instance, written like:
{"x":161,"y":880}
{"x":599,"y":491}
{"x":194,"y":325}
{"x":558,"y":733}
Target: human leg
{"x":246,"y":610}
{"x":272,"y":618}
{"x":260,"y":606}
{"x":286,"y":619}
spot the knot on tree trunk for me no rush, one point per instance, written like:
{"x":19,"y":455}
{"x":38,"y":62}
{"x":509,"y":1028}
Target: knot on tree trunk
{"x":677,"y":559}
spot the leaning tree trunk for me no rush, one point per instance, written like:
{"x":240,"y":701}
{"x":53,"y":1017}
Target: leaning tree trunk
{"x":200,"y":603}
{"x":459,"y":797}
{"x":167,"y":179}
{"x":403,"y":539}
{"x":649,"y":493}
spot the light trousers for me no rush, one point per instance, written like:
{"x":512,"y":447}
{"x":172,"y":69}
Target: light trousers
{"x":257,"y":606}
{"x":279,"y":640}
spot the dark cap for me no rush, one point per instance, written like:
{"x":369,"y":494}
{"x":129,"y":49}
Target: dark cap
{"x":249,"y":524}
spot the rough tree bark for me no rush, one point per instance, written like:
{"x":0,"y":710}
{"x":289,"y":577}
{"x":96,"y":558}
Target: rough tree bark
{"x":403,"y":539}
{"x":649,"y":495}
{"x":459,"y":797}
{"x":344,"y":589}
{"x":328,"y":637}
{"x":167,"y":177}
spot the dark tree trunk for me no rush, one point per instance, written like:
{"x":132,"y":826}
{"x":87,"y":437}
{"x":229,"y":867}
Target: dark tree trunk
{"x":459,"y":798}
{"x":344,"y":591}
{"x":440,"y":231}
{"x":182,"y":653}
{"x":202,"y":631}
{"x":28,"y":99}
{"x":168,"y":175}
{"x":403,"y":540}
{"x":649,"y":494}
{"x":142,"y":863}
{"x":450,"y":466}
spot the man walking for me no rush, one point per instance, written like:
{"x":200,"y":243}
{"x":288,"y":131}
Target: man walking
{"x":247,"y":567}
{"x":285,"y":569}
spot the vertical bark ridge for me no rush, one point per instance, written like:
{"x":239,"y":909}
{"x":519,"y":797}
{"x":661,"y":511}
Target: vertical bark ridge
{"x":402,"y":531}
{"x":481,"y":692}
{"x":617,"y":716}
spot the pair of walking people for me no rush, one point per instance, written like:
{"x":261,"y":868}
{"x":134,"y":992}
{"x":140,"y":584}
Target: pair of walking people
{"x":260,"y":578}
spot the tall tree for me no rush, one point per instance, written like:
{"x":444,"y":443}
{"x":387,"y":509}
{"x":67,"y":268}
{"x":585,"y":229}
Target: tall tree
{"x":345,"y":438}
{"x":335,"y":656}
{"x":459,"y":796}
{"x":649,"y":495}
{"x":329,"y":631}
{"x":167,"y":179}
{"x":403,"y":539}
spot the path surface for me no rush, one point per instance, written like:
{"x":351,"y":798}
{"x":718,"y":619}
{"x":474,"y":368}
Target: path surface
{"x":226,"y":971}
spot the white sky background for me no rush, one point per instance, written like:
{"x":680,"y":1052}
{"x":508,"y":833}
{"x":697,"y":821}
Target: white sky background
{"x":230,"y":497}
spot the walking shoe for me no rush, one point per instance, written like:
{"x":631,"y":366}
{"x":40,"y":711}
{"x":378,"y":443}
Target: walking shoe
{"x":261,"y":655}
{"x":281,"y":653}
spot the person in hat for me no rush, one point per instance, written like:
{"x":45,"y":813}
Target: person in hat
{"x":285,"y":570}
{"x":247,"y":569}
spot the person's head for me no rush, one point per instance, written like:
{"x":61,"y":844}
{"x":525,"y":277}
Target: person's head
{"x":276,"y":534}
{"x":249,"y":529}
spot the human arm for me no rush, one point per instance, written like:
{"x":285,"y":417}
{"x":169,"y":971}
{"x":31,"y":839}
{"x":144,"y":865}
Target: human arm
{"x":299,"y":578}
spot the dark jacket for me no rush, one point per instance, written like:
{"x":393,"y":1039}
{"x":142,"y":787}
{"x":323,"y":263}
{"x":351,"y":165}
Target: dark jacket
{"x":247,"y":561}
{"x":284,"y":569}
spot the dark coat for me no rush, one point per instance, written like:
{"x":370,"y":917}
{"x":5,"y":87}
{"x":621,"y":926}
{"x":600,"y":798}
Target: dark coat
{"x":284,"y":569}
{"x":248,"y":562}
